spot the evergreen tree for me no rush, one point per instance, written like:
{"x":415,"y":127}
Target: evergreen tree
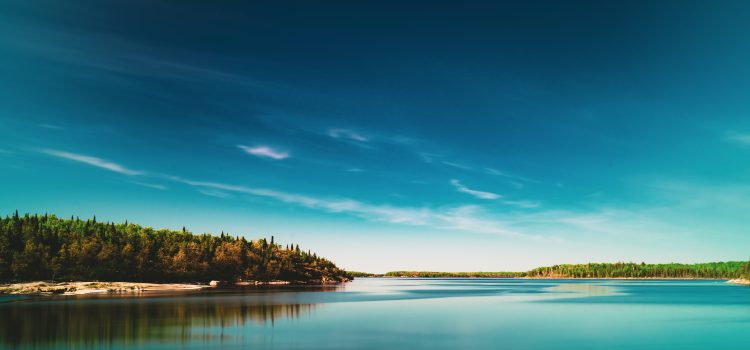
{"x":49,"y":248}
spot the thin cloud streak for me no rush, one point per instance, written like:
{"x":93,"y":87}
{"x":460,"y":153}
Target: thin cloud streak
{"x":742,"y":139}
{"x":500,"y":173}
{"x":347,"y":134}
{"x":523,"y":204}
{"x":264,"y":151}
{"x":93,"y":161}
{"x":149,"y":185}
{"x":478,"y":194}
{"x":456,"y":165}
{"x":462,"y":218}
{"x":465,"y":218}
{"x":50,"y":126}
{"x":214,"y":193}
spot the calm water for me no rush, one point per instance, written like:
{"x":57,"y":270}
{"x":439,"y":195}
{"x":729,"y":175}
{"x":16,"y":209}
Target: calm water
{"x":396,"y":313}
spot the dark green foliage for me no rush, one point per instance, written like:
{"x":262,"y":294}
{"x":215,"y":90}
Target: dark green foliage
{"x":434,"y":274}
{"x":49,"y":248}
{"x":715,"y":270}
{"x":720,"y":270}
{"x":357,"y":274}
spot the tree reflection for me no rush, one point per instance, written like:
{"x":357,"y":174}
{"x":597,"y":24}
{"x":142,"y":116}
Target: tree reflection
{"x":130,"y":321}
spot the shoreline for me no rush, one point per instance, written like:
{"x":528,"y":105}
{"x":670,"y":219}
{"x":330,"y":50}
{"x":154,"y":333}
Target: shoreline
{"x":740,"y":281}
{"x":92,"y":287}
{"x":95,"y":287}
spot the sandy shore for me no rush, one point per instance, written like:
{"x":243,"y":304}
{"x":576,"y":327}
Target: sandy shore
{"x":75,"y":288}
{"x":740,"y":281}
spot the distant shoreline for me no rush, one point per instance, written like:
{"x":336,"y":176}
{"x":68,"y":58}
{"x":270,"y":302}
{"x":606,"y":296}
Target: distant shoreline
{"x":719,"y":270}
{"x":736,"y":281}
{"x":93,"y":287}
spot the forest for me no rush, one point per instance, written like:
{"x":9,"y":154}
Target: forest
{"x":718,"y":270}
{"x":435,"y":274}
{"x":36,"y":247}
{"x":713,"y":270}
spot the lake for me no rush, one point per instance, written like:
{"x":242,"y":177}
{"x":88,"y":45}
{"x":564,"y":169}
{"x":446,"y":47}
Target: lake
{"x":381,"y":313}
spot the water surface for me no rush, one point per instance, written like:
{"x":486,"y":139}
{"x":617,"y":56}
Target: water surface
{"x":395,"y":313}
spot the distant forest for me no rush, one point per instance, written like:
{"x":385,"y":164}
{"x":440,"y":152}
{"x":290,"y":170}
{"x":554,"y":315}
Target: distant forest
{"x":720,"y":270}
{"x":714,"y":270}
{"x":435,"y":274}
{"x":35,"y":247}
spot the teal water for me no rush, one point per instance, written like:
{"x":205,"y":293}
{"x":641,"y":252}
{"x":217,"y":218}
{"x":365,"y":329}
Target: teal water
{"x":395,"y":314}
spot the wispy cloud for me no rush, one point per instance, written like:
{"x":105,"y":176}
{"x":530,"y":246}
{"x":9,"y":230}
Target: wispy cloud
{"x":739,"y":138}
{"x":124,"y":57}
{"x":547,"y":225}
{"x":462,"y":218}
{"x":434,"y":158}
{"x":523,"y":204}
{"x":465,"y":218}
{"x":149,"y":185}
{"x":50,"y":126}
{"x":93,"y":161}
{"x":347,"y":134}
{"x":456,"y":165}
{"x":478,"y":194}
{"x":500,"y":173}
{"x":526,"y":204}
{"x":214,"y":193}
{"x":264,"y":151}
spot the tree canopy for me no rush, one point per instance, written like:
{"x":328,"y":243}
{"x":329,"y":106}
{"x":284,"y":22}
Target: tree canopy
{"x":713,"y":270}
{"x":435,"y":274}
{"x":34,"y":247}
{"x":720,"y":270}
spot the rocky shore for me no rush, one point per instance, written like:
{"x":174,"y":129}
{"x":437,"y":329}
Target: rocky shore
{"x":76,"y":288}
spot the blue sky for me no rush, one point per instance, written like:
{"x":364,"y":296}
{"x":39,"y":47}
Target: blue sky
{"x":390,"y":135}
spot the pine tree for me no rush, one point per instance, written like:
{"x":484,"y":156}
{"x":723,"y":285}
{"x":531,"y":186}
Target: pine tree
{"x":55,"y":249}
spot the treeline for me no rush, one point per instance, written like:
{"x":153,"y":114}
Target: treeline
{"x":356,"y":274}
{"x":434,"y":274}
{"x":714,"y":270}
{"x":719,"y":270}
{"x":50,"y":248}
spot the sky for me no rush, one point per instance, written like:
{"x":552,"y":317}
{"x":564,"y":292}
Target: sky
{"x":390,"y":135}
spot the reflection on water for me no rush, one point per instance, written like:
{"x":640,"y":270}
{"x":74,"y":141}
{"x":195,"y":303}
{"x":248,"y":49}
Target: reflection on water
{"x":105,"y":321}
{"x":394,"y":313}
{"x":586,"y":289}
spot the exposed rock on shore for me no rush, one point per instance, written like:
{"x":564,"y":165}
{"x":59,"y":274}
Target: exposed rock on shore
{"x":74,"y":288}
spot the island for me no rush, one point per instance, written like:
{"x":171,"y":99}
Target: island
{"x":76,"y":256}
